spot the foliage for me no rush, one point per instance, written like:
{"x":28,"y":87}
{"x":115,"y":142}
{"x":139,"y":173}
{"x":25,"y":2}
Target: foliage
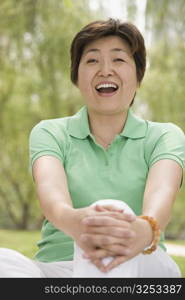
{"x":35,"y":37}
{"x":162,"y":91}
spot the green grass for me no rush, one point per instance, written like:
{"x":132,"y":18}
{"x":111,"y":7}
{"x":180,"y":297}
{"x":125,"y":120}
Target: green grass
{"x":180,"y":261}
{"x":26,"y":243}
{"x":22,"y":241}
{"x":176,"y":242}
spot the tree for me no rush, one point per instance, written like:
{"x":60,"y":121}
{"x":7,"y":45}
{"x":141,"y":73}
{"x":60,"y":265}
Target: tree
{"x":163,"y":90}
{"x":35,"y":37}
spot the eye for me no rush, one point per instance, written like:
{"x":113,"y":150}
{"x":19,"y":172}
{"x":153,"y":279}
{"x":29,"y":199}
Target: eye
{"x":119,"y":59}
{"x":91,"y":60}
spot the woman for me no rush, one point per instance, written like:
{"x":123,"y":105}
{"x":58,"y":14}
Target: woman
{"x":104,"y":152}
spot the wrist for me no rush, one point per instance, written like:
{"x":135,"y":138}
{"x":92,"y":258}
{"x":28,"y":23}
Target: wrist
{"x":68,"y":220}
{"x":144,"y":232}
{"x":147,"y":230}
{"x":61,"y":217}
{"x":72,"y":218}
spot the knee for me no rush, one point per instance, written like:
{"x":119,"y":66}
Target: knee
{"x":6,"y":252}
{"x":7,"y":257}
{"x":10,"y":257}
{"x":15,"y":264}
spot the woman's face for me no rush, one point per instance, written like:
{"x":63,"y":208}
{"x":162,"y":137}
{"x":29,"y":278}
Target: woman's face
{"x":107,"y":75}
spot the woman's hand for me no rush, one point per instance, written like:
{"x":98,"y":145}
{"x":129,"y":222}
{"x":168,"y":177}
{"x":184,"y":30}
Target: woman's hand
{"x":81,"y":232}
{"x":143,"y":238}
{"x":111,"y":231}
{"x":119,"y":236}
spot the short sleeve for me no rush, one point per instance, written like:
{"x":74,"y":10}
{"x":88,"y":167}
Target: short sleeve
{"x":169,"y":145}
{"x":43,"y":140}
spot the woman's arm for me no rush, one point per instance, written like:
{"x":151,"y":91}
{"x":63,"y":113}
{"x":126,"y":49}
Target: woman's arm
{"x":52,"y":191}
{"x":55,"y":200}
{"x":161,"y":190}
{"x":56,"y":204}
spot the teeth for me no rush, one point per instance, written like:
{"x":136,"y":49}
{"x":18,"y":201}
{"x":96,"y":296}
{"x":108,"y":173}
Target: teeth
{"x":106,"y":85}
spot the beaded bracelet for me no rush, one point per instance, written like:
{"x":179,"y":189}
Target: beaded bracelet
{"x":156,"y":234}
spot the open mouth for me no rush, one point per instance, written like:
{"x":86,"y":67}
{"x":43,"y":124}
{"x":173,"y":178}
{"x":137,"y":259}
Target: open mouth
{"x":106,"y":89}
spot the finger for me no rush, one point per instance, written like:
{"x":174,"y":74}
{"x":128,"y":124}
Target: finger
{"x":118,"y":250}
{"x":101,"y":240}
{"x":119,"y":215}
{"x":123,"y":216}
{"x":109,"y":250}
{"x":115,"y":262}
{"x":117,"y":232}
{"x":108,"y":207}
{"x":99,"y":254}
{"x":111,"y":208}
{"x":98,"y":263}
{"x":106,"y":220}
{"x":128,"y":217}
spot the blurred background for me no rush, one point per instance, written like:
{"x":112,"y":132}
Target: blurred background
{"x":35,"y":38}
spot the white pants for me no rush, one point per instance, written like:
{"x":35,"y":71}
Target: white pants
{"x":156,"y":265}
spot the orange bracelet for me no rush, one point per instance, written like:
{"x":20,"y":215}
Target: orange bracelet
{"x":156,"y":234}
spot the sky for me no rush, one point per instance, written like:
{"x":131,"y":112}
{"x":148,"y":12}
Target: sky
{"x":115,"y":9}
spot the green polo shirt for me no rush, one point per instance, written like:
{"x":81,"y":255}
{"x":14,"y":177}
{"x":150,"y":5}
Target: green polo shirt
{"x":93,"y":173}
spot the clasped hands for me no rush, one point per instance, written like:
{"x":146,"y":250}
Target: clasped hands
{"x":109,"y":231}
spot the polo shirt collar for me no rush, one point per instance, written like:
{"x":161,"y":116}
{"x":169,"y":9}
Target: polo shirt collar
{"x":134,"y":126}
{"x":78,"y":125}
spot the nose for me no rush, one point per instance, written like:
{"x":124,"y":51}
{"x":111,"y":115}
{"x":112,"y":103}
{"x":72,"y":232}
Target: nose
{"x":105,"y":69}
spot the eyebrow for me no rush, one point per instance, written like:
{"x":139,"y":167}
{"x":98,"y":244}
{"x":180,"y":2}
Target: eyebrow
{"x":112,"y":50}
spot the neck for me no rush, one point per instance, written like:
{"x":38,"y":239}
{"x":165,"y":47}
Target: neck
{"x":106,"y":127}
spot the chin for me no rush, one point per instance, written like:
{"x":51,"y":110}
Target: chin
{"x":109,"y":110}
